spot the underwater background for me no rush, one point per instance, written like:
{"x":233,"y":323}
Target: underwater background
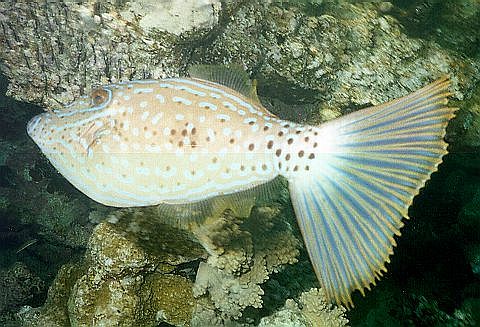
{"x":66,"y":260}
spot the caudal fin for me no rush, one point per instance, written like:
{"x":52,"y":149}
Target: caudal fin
{"x":373,"y":162}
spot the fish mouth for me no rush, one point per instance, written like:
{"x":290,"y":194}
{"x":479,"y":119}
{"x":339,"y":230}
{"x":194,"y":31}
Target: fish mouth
{"x":35,"y":124}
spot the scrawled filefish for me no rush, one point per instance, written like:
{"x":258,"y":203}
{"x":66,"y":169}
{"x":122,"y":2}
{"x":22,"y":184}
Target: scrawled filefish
{"x":183,"y":140}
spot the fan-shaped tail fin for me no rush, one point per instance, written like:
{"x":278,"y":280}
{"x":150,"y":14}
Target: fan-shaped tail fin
{"x":350,"y":203}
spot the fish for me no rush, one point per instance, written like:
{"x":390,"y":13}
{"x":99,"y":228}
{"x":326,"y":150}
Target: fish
{"x":180,"y":141}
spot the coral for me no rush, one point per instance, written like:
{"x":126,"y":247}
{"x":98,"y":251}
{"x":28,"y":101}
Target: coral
{"x":54,"y":312}
{"x":55,"y":51}
{"x":341,"y":56}
{"x":19,"y":287}
{"x":332,"y":56}
{"x":451,"y":23}
{"x":310,"y":310}
{"x":464,"y":131}
{"x":173,"y":16}
{"x":243,"y":253}
{"x":127,"y":278}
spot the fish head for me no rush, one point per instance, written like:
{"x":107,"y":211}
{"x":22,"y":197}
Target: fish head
{"x":74,"y":126}
{"x":68,"y":136}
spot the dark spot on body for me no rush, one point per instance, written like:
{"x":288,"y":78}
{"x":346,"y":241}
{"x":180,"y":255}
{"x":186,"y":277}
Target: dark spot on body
{"x":311,"y":156}
{"x":290,"y":141}
{"x":184,"y":132}
{"x":264,"y":167}
{"x":278,"y":152}
{"x":172,"y":132}
{"x":270,"y":144}
{"x":232,"y":141}
{"x":266,"y":128}
{"x":295,"y":168}
{"x":301,"y":153}
{"x":280,"y":133}
{"x":287,"y":157}
{"x":251,"y":146}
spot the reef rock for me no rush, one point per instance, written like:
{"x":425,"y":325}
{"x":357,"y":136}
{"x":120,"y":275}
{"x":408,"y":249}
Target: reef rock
{"x":130,"y":277}
{"x":19,"y":286}
{"x":311,"y":309}
{"x":243,"y":254}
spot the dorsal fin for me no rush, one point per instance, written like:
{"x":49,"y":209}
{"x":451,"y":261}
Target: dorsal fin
{"x":232,"y":76}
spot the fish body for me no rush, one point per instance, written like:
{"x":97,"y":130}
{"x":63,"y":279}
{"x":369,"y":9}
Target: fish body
{"x":184,"y":140}
{"x":174,"y":140}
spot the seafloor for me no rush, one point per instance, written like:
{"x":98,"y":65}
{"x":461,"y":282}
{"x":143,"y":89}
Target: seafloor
{"x":68,"y":261}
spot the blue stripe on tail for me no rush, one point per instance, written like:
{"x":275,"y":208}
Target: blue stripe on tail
{"x":350,"y":205}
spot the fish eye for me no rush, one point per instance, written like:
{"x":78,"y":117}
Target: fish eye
{"x":99,"y":96}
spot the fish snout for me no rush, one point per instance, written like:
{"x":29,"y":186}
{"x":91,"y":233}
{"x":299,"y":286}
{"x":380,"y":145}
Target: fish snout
{"x":34,"y":126}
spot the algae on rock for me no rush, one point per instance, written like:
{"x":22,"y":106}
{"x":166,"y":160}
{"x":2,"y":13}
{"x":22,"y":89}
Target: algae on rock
{"x":121,"y":280}
{"x":132,"y":271}
{"x":56,"y":50}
